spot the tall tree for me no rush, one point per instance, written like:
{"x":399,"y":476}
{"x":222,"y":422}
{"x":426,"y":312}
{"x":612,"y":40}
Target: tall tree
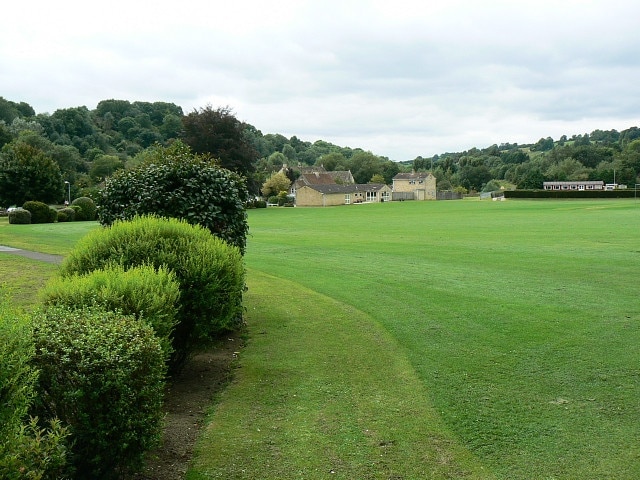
{"x":276,"y":184}
{"x":27,"y":173}
{"x":219,"y":133}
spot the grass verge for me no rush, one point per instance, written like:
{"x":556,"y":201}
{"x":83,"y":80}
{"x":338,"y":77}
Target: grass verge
{"x":52,"y":238}
{"x":24,"y":278}
{"x":323,"y":392}
{"x":520,"y":319}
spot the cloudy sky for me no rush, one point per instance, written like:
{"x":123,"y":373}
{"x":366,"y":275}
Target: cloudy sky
{"x":399,"y":78}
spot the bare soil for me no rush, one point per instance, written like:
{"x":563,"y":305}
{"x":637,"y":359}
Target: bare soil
{"x":189,"y":395}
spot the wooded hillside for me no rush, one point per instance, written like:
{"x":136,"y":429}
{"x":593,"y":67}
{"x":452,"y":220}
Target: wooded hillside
{"x":89,"y":145}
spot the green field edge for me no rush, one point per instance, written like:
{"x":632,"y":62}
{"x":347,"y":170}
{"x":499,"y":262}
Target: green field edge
{"x":22,"y":278}
{"x":322,"y":389}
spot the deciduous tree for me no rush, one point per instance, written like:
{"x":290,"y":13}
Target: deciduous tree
{"x":217,"y":132}
{"x":276,"y":184}
{"x":174,"y":182}
{"x":27,"y":173}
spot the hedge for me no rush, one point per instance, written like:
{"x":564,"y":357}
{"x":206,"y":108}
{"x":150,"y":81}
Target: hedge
{"x":19,"y":216}
{"x":66,"y":214}
{"x":87,"y":209}
{"x":173,"y":182}
{"x":147,"y":293}
{"x":568,"y":194}
{"x":102,"y":373}
{"x":40,"y":212}
{"x":210,"y":272}
{"x":27,"y":450}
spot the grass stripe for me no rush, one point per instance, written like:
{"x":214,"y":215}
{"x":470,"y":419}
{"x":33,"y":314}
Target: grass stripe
{"x":52,"y":238}
{"x":26,"y":276}
{"x":323,"y":391}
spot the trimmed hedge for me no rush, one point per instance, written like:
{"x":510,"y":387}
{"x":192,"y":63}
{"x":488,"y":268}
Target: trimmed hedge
{"x":210,"y":272}
{"x":87,"y":209}
{"x":147,"y":293}
{"x":628,"y":193}
{"x":256,"y":203}
{"x":40,"y":212}
{"x":66,"y":214}
{"x":26,"y":449}
{"x":173,"y":182}
{"x":102,"y":373}
{"x":20,"y":216}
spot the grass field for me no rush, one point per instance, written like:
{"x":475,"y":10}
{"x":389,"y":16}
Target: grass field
{"x":437,"y":340}
{"x":21,"y":277}
{"x":52,"y":238}
{"x":462,"y":339}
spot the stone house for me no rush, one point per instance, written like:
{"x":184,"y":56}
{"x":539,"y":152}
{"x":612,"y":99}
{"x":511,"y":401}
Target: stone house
{"x":414,"y":186}
{"x":319,"y":176}
{"x":325,"y":195}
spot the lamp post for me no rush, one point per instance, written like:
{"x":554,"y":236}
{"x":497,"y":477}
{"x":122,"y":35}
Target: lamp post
{"x":68,"y":192}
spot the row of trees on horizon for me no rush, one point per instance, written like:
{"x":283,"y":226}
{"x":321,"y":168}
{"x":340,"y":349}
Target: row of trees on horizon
{"x":83,"y":147}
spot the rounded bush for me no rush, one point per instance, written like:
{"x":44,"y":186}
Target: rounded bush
{"x":88,"y":209}
{"x":66,"y":214}
{"x":147,"y":293}
{"x":175,"y":183}
{"x":20,"y":216}
{"x":26,"y":450}
{"x":40,"y":212}
{"x":102,"y":373}
{"x":210,"y":272}
{"x":257,"y":204}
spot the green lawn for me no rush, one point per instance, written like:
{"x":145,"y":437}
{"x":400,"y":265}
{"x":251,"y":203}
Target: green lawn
{"x":499,"y":338}
{"x":462,"y":339}
{"x":21,"y":277}
{"x":52,"y":238}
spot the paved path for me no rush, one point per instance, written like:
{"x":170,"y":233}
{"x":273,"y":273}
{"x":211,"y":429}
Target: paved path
{"x":43,"y":257}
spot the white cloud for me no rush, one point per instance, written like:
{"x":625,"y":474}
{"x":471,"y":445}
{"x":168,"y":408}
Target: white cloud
{"x":401,"y":79}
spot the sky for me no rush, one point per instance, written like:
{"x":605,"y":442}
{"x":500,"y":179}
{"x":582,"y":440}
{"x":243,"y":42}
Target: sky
{"x":398,"y":78}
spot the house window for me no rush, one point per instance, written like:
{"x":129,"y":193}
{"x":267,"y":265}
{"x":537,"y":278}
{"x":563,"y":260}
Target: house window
{"x":347,"y":198}
{"x":385,"y":196}
{"x":371,"y":196}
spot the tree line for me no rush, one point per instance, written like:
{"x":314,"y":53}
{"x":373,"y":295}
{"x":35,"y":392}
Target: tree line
{"x":39,"y":152}
{"x":610,"y":156}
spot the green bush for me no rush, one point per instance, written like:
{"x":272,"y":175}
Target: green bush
{"x":210,"y":271}
{"x":40,"y":212}
{"x":20,"y":216}
{"x":88,"y":209}
{"x":147,"y":293}
{"x":26,"y":449}
{"x":175,"y":183}
{"x":66,"y":214}
{"x":102,"y":373}
{"x":568,"y":194}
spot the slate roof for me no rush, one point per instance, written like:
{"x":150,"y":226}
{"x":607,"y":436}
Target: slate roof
{"x":316,"y":178}
{"x":324,"y":178}
{"x":412,"y":176}
{"x":354,"y":187}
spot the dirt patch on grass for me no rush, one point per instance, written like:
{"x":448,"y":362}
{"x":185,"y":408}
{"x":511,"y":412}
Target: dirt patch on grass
{"x":188,"y":397}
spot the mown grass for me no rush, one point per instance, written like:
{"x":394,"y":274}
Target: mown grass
{"x":21,"y":277}
{"x":52,"y":238}
{"x":324,"y":392}
{"x":518,"y":322}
